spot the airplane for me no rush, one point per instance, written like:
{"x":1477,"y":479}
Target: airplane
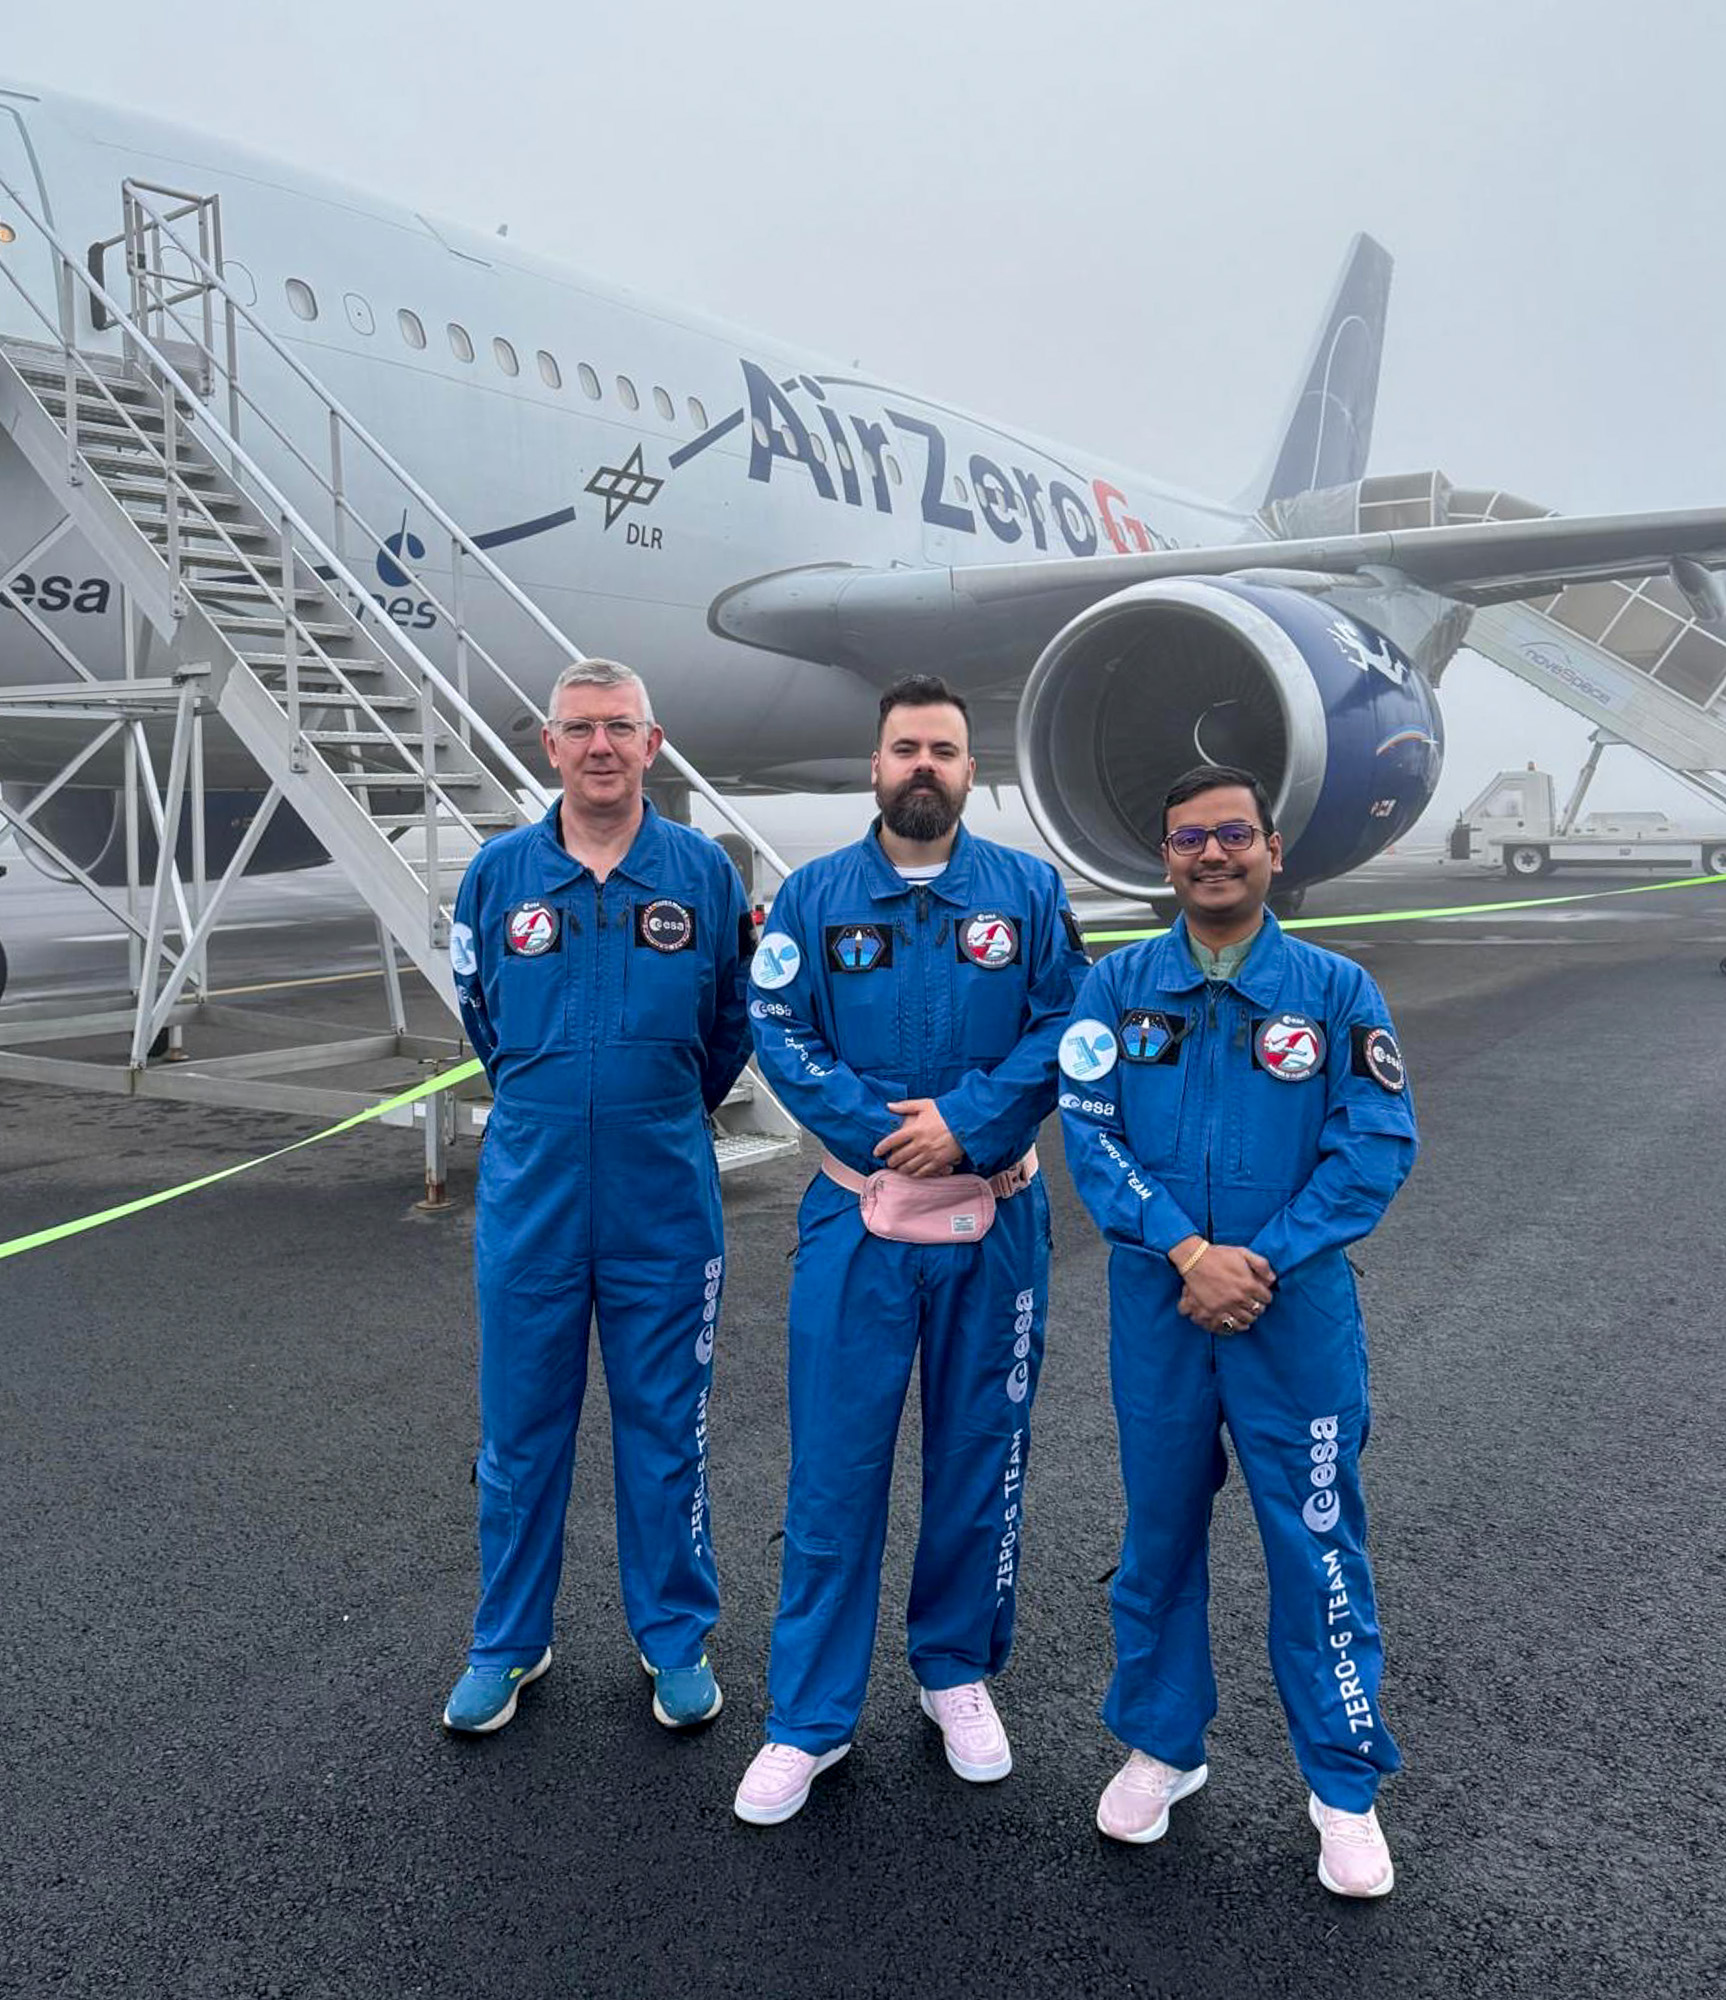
{"x":771,"y":538}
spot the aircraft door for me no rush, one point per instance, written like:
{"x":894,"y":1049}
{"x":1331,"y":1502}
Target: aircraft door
{"x":26,"y":257}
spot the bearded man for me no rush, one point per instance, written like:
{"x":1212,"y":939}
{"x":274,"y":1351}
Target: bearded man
{"x":907,"y":1003}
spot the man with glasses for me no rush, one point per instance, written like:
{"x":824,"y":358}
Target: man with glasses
{"x":1236,"y":1114}
{"x":600,"y":960}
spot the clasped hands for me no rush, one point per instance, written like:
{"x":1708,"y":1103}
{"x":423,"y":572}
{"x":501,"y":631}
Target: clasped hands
{"x":922,"y":1145}
{"x":1226,"y":1289}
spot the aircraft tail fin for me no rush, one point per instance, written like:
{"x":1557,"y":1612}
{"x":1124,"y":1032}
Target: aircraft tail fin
{"x":1329,"y":430}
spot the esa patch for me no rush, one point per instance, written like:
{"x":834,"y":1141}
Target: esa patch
{"x":664,"y":925}
{"x":777,"y":961}
{"x":530,"y":930}
{"x":1088,"y":1050}
{"x":1151,"y":1038}
{"x":1289,"y":1047}
{"x":1375,"y":1053}
{"x":988,"y":939}
{"x":858,"y":947}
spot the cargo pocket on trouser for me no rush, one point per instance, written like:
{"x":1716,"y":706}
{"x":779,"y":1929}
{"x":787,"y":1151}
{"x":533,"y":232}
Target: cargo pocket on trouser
{"x":822,"y":1640}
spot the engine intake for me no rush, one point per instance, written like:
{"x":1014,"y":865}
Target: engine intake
{"x":1339,"y":727}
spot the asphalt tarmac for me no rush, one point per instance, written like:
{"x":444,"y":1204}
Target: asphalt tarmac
{"x":235,"y":1439}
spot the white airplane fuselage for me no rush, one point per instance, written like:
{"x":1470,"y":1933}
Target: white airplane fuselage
{"x":740,"y":456}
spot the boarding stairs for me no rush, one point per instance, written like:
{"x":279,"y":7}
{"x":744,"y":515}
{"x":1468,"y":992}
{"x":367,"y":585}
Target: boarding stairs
{"x":385,"y":754}
{"x":1643,"y":659}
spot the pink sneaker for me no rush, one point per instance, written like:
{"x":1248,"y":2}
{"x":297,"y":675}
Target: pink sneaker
{"x":1136,"y":1804}
{"x":776,"y":1785}
{"x":1353,"y":1859}
{"x":977,"y":1746}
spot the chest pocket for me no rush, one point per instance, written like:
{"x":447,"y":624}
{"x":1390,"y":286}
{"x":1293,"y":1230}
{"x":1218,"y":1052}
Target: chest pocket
{"x":1286,"y":1096}
{"x":1151,"y":1078}
{"x":989,"y":984}
{"x":529,"y":977}
{"x":860,"y":976}
{"x":667,"y":971}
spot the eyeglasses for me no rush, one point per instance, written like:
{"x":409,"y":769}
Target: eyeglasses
{"x":1234,"y":836}
{"x":620,"y":729}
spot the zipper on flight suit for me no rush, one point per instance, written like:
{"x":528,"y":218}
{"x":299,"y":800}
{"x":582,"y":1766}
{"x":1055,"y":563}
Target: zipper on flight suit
{"x":925,"y":969}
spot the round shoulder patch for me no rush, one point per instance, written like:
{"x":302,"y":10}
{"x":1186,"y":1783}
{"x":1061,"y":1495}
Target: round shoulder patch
{"x":777,"y":961}
{"x":463,"y":960}
{"x":1088,"y":1050}
{"x":1382,"y":1059}
{"x":1291,"y":1047}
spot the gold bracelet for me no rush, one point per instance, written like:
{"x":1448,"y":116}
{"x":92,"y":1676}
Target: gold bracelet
{"x":1181,"y":1270}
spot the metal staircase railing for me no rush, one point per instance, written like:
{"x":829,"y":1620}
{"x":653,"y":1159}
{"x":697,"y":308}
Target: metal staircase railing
{"x":347,"y":716}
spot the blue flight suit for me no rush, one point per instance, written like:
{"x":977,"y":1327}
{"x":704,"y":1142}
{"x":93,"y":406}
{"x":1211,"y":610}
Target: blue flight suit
{"x":611,"y":1021}
{"x":865,"y":990}
{"x":1270,"y":1111}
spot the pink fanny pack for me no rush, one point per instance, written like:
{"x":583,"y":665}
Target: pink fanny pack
{"x":930,"y":1208}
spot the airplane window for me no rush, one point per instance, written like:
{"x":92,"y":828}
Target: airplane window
{"x":359,"y":314}
{"x":816,"y":446}
{"x":460,"y":342}
{"x":549,"y":372}
{"x":698,"y":413}
{"x":663,"y":404}
{"x":589,"y":382}
{"x":761,"y":434}
{"x":626,"y":389}
{"x":840,"y":453}
{"x":505,"y":356}
{"x":302,"y":300}
{"x":959,"y":492}
{"x":893,"y":472}
{"x":413,"y":332}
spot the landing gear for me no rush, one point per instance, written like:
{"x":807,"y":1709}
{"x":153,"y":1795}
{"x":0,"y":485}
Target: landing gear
{"x":1286,"y":902}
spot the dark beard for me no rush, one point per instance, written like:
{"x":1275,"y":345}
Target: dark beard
{"x":920,"y":810}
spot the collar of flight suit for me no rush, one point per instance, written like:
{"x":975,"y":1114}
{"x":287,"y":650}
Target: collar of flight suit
{"x":952,"y":885}
{"x":1259,"y":979}
{"x":640,"y":865}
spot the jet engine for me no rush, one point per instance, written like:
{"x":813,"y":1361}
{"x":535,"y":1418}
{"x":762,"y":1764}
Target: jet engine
{"x":1343,"y":732}
{"x":89,"y":827}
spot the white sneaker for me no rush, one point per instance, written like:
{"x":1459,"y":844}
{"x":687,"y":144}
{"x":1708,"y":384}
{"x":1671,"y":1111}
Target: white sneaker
{"x":1353,"y":1859}
{"x":775,"y":1788}
{"x":1135,"y":1805}
{"x":977,"y":1746}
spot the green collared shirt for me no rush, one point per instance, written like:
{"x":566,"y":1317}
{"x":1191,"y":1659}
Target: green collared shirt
{"x":1224,"y":964}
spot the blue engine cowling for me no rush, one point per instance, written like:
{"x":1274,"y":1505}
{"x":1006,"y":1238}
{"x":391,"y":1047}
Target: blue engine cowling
{"x":1341,"y":729}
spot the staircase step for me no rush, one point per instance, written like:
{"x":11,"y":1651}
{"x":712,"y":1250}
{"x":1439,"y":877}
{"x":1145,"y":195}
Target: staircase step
{"x":264,"y":665}
{"x":358,"y":738}
{"x":237,"y":625}
{"x":748,"y":1149}
{"x":403,"y":779}
{"x":407,"y":822}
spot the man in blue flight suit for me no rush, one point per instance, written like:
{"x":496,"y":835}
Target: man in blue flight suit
{"x":907,"y":1002}
{"x":1236,"y":1114}
{"x":600,"y":960}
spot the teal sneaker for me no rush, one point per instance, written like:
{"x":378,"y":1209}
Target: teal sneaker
{"x":684,"y":1696}
{"x":485,"y":1697}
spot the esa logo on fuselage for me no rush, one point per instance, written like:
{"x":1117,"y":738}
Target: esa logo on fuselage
{"x":57,"y":593}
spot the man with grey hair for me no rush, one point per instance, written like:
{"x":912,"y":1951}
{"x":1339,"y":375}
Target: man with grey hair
{"x":600,"y":960}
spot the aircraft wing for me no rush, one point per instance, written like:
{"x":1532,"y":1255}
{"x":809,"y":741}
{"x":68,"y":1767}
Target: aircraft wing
{"x":984,"y":626}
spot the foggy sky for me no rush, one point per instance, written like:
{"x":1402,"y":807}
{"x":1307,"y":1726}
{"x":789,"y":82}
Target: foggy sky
{"x":1115,"y":227}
